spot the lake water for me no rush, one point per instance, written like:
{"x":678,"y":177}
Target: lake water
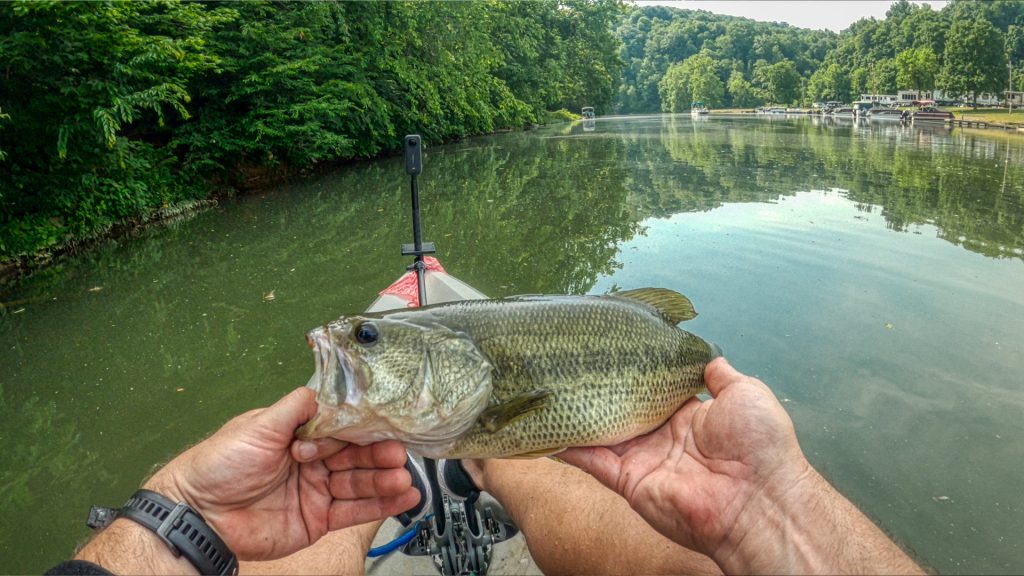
{"x":873,"y":276}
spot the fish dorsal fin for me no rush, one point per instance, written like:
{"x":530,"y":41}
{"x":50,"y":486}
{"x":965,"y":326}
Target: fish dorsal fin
{"x":672,"y":305}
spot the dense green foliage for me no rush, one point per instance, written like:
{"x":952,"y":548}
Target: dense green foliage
{"x":110,"y":111}
{"x":756,"y":62}
{"x":89,"y":93}
{"x":692,"y":80}
{"x":962,"y":49}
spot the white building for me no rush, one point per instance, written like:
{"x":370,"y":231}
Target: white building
{"x":882,"y":99}
{"x":906,"y":97}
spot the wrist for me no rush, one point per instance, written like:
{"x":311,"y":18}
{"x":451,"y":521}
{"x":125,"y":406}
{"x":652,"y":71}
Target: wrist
{"x":775,"y":532}
{"x":173,"y":486}
{"x":166,"y":483}
{"x":804,"y":526}
{"x":126,"y":547}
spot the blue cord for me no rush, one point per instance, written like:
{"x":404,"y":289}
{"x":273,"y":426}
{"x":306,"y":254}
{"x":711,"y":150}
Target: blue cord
{"x":397,"y":542}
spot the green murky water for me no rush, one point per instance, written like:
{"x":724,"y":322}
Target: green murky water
{"x":873,"y":276}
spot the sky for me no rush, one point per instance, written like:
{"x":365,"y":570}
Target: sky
{"x":835,"y":15}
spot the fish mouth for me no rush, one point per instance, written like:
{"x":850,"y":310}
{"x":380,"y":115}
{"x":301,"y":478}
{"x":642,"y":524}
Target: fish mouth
{"x":337,"y":387}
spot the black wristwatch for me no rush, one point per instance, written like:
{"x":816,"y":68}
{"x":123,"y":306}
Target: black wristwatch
{"x":178,"y":525}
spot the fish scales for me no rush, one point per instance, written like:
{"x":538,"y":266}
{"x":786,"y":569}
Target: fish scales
{"x":613,"y":374}
{"x":608,"y":368}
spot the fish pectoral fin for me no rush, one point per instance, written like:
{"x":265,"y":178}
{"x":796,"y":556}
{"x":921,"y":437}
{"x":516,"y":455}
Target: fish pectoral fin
{"x":497,"y":417}
{"x":536,"y":453}
{"x":673,"y":306}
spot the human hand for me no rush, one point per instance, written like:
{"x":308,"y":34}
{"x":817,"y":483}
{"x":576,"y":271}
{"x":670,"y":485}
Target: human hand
{"x":268,"y":495}
{"x":712,"y":466}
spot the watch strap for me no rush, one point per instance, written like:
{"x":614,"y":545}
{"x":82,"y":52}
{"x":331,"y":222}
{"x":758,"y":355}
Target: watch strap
{"x":184,"y":531}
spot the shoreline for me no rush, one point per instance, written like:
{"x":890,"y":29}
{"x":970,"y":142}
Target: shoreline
{"x":16,"y":269}
{"x":960,"y":119}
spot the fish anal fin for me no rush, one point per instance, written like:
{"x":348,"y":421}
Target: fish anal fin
{"x":672,"y":305}
{"x":496,"y":417}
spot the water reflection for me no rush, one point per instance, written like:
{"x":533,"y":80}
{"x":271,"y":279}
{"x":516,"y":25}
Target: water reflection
{"x":970,"y":187}
{"x":800,"y":240}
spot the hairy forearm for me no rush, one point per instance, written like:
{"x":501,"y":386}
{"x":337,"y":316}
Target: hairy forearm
{"x":125,"y":547}
{"x":807,"y":527}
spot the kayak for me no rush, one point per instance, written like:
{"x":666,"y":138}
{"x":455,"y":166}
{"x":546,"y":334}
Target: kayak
{"x":440,"y":286}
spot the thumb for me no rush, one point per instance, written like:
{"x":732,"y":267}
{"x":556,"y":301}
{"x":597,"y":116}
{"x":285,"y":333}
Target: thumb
{"x":719,"y":374}
{"x":293,"y":411}
{"x":290,"y":412}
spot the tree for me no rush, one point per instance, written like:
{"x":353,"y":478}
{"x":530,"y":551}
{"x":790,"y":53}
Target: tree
{"x":916,"y":69}
{"x":883,"y":77}
{"x":922,"y":28}
{"x":780,"y":81}
{"x":860,"y":80}
{"x":741,"y":92}
{"x":693,"y":80}
{"x":829,"y":83}
{"x":656,"y":37}
{"x":1015,"y":43}
{"x":674,"y":89}
{"x":975,"y":58}
{"x":93,"y":90}
{"x":705,"y":85}
{"x":112,"y":111}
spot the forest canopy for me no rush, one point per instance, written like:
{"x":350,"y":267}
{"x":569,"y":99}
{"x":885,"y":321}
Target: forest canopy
{"x":110,"y":111}
{"x":113,"y":111}
{"x":963,"y":49}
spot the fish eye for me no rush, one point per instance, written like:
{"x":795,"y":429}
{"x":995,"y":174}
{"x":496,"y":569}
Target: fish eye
{"x":366,"y":333}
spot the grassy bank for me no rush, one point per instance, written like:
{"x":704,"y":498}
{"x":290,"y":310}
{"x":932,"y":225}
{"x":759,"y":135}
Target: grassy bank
{"x":991,"y":115}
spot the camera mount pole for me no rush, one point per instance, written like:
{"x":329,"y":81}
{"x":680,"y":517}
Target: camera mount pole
{"x":413,"y":167}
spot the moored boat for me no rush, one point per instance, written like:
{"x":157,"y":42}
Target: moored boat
{"x":698,"y":109}
{"x":862,"y":107}
{"x":931,"y":114}
{"x":589,"y":119}
{"x":887,"y":114}
{"x":844,"y":112}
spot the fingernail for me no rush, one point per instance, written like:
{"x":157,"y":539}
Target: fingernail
{"x":306,"y":450}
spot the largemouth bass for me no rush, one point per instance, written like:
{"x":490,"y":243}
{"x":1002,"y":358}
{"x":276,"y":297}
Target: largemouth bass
{"x":525,"y":376}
